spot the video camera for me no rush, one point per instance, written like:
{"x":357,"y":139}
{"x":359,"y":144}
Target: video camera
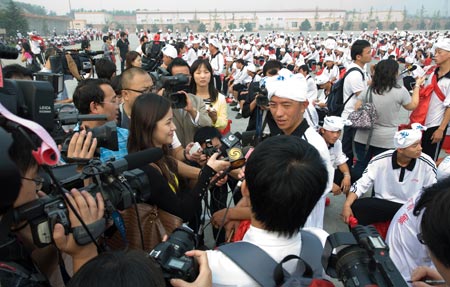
{"x":262,"y":99}
{"x":172,"y":86}
{"x":119,"y":181}
{"x":84,"y":60}
{"x":152,"y":58}
{"x":364,"y":261}
{"x":32,"y":100}
{"x":170,"y":255}
{"x":8,"y":52}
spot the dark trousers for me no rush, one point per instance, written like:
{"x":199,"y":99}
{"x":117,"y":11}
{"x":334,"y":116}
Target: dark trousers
{"x":217,"y":82}
{"x":432,"y":149}
{"x":122,"y":65}
{"x":363,"y":158}
{"x":347,"y":148}
{"x":370,"y":210}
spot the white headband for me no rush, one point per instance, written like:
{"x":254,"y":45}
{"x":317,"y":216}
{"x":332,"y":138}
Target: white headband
{"x":405,"y":138}
{"x":334,"y":123}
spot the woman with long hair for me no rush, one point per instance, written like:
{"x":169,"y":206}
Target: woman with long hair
{"x":152,"y":126}
{"x":133,"y":59}
{"x":202,"y":85}
{"x":388,"y":97}
{"x":27,"y":55}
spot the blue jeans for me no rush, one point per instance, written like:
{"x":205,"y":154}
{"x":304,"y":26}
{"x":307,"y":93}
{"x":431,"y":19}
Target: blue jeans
{"x":363,"y":158}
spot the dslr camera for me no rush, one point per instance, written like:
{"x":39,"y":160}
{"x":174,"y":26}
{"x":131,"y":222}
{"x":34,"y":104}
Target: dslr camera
{"x":363,"y":259}
{"x":170,"y":255}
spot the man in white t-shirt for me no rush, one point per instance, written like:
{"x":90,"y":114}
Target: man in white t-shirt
{"x":354,"y":84}
{"x":395,"y":176}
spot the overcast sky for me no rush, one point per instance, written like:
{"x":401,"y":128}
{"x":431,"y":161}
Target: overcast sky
{"x":62,"y":6}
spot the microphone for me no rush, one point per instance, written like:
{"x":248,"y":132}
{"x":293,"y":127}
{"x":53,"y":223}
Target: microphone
{"x":135,"y":160}
{"x":410,"y":69}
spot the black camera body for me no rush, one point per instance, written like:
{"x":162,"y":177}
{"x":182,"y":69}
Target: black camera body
{"x":172,"y":86}
{"x":43,"y":214}
{"x":262,"y":99}
{"x":119,"y":191}
{"x":364,"y":261}
{"x":170,"y":255}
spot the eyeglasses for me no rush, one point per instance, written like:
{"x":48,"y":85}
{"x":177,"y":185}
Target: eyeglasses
{"x":420,"y":238}
{"x":145,"y":90}
{"x":38,"y":181}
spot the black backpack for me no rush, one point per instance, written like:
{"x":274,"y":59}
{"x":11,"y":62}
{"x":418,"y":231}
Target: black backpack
{"x":335,"y":100}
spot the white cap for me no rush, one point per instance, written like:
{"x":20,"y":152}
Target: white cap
{"x":322,"y":79}
{"x":170,"y":51}
{"x":229,"y":59}
{"x":251,"y":67}
{"x":195,"y":41}
{"x":409,"y":60}
{"x":335,"y":124}
{"x":282,"y":50}
{"x":328,"y":59}
{"x":247,"y":47}
{"x":214,"y":42}
{"x":443,"y":44}
{"x":293,"y":88}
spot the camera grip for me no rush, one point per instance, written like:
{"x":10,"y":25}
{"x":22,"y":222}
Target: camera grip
{"x":96,"y":229}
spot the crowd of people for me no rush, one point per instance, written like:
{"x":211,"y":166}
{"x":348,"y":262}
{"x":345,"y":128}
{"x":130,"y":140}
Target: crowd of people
{"x":282,"y":83}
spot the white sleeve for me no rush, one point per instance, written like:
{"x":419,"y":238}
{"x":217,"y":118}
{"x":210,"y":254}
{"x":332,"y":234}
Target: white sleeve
{"x":365,"y":182}
{"x":176,"y":141}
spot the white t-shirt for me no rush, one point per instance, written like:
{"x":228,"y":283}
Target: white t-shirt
{"x":437,"y":107}
{"x":405,"y":250}
{"x":353,"y":83}
{"x":226,"y":273}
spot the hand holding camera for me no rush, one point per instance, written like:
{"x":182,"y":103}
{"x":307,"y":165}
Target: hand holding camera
{"x":216,"y":164}
{"x":82,"y":145}
{"x":91,"y":210}
{"x":204,"y":277}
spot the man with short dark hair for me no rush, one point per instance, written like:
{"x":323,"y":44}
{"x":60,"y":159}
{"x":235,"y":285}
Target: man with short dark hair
{"x":105,"y":69}
{"x":287,"y":104}
{"x":284,"y":179}
{"x":96,"y":96}
{"x":354,"y":84}
{"x":123,"y":46}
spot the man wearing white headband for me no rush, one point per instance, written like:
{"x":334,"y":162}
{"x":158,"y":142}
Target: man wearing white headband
{"x":287,"y":104}
{"x":331,"y":131}
{"x":395,"y":175}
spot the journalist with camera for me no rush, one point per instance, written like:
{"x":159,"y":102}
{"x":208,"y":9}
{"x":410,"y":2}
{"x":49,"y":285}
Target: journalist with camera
{"x":23,"y":264}
{"x":193,"y":115}
{"x":97,"y":97}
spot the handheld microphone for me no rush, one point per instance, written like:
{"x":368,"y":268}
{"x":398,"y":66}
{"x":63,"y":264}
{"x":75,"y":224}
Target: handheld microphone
{"x":410,"y":69}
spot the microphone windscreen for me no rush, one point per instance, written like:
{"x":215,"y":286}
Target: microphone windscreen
{"x":144,"y":157}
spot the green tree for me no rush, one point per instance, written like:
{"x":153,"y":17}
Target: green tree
{"x":363,"y":25}
{"x":447,"y":25}
{"x":392,"y":26}
{"x":319,"y":26}
{"x":349,"y":25}
{"x":105,"y":29}
{"x":170,"y":26}
{"x":249,"y":26}
{"x":407,"y":26}
{"x":436,"y":25}
{"x":334,"y":26}
{"x":380,"y":25}
{"x":421,"y":25}
{"x":232,"y":26}
{"x":155,"y":28}
{"x":12,"y":19}
{"x":217,"y":26}
{"x":201,"y":27}
{"x":305,"y":25}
